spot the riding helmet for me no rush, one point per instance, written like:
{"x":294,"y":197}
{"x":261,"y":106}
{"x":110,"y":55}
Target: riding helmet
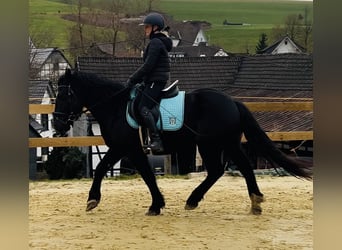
{"x":154,"y":19}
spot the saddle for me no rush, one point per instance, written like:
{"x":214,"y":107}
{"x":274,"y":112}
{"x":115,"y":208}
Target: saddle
{"x":170,"y":111}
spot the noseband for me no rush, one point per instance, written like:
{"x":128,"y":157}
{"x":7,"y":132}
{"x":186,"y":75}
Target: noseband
{"x":70,"y":117}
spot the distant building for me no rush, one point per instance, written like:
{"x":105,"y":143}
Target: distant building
{"x":189,"y":40}
{"x":201,"y":50}
{"x":189,"y":33}
{"x":283,"y":45}
{"x":46,"y":63}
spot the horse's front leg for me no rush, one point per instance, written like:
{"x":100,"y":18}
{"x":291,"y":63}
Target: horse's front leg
{"x":139,"y":159}
{"x":101,"y":169}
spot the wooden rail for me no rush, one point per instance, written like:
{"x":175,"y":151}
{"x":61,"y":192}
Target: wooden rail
{"x":98,"y":140}
{"x":253,"y":106}
{"x":41,"y":109}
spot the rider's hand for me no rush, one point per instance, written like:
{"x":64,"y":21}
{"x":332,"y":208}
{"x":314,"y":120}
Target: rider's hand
{"x":129,"y":83}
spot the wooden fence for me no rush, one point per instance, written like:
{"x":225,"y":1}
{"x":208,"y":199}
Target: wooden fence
{"x":98,"y":140}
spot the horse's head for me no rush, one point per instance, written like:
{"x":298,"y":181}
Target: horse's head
{"x":67,"y":106}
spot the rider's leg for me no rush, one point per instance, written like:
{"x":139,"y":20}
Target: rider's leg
{"x":156,"y":144}
{"x":151,"y":97}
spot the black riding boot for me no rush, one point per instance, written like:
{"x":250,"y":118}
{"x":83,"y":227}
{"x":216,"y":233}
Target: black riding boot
{"x":156,"y":144}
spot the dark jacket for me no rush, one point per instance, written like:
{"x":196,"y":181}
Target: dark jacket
{"x":156,"y":66}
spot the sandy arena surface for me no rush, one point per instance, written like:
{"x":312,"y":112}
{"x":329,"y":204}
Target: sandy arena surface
{"x":57,"y":217}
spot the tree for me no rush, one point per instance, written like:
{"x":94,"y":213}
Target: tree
{"x":307,"y":30}
{"x":77,"y":39}
{"x":135,"y":38}
{"x":79,"y":24}
{"x":117,"y":8}
{"x":152,"y":4}
{"x":297,"y":27}
{"x":262,"y":44}
{"x":292,"y":26}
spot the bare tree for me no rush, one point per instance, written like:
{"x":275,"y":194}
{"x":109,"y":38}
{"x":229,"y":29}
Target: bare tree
{"x":292,"y":26}
{"x":152,"y":5}
{"x":115,"y":10}
{"x":307,"y":29}
{"x":100,"y":22}
{"x":297,"y":27}
{"x":79,"y":25}
{"x":135,"y":38}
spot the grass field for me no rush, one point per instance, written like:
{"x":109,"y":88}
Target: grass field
{"x":45,"y":17}
{"x":261,"y":15}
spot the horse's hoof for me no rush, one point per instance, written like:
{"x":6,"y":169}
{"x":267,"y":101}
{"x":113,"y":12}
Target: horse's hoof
{"x":256,"y":201}
{"x":91,"y":204}
{"x":190,"y":207}
{"x":152,"y":212}
{"x":256,"y":210}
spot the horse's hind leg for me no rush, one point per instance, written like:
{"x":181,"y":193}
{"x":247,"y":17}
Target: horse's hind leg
{"x":212,"y":160}
{"x":243,"y":164}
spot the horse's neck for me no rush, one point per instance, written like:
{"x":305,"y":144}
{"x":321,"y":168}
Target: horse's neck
{"x":105,"y":105}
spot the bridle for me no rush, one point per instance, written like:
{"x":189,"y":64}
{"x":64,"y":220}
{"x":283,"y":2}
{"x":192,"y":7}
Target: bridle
{"x":70,"y":117}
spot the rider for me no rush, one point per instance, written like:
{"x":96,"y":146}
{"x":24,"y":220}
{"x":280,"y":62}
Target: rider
{"x":154,"y":72}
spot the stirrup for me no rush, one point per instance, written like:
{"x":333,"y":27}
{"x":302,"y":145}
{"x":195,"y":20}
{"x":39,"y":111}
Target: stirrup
{"x":156,"y":149}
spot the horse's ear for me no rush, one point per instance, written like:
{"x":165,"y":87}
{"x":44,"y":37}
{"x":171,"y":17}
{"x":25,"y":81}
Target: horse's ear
{"x":67,"y":72}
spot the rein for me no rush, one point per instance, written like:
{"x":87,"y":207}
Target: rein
{"x":73,"y":117}
{"x":102,"y":101}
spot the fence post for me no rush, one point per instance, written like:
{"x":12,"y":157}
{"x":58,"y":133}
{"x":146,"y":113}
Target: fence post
{"x":167,"y":164}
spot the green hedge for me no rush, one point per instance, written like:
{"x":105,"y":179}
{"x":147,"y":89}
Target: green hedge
{"x":65,"y":163}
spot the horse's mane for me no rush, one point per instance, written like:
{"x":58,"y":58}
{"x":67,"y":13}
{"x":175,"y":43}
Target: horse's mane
{"x":93,"y":80}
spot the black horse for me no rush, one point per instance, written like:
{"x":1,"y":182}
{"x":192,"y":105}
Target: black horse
{"x":213,"y":122}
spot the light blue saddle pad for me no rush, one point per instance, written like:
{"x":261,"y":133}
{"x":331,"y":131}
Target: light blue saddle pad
{"x":171,"y":111}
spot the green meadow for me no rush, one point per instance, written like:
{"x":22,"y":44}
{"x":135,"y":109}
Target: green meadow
{"x":45,"y":18}
{"x":260,"y":16}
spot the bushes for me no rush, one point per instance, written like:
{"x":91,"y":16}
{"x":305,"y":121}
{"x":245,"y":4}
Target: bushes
{"x":65,"y":163}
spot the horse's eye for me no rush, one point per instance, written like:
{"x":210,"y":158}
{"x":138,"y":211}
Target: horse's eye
{"x":62,"y":94}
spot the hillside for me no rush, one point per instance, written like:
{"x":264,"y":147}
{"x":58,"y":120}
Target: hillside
{"x":260,"y":16}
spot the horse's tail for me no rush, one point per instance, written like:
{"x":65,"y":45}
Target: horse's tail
{"x":264,"y":147}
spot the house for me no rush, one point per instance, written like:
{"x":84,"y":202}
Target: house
{"x":201,"y":50}
{"x":279,"y":77}
{"x":46,"y":63}
{"x":283,"y":46}
{"x":41,"y":92}
{"x":188,"y":33}
{"x":34,"y":129}
{"x":189,"y":40}
{"x":192,"y":72}
{"x":122,"y":49}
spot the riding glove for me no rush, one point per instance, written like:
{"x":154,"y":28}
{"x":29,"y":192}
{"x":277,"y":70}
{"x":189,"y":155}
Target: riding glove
{"x":129,"y":83}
